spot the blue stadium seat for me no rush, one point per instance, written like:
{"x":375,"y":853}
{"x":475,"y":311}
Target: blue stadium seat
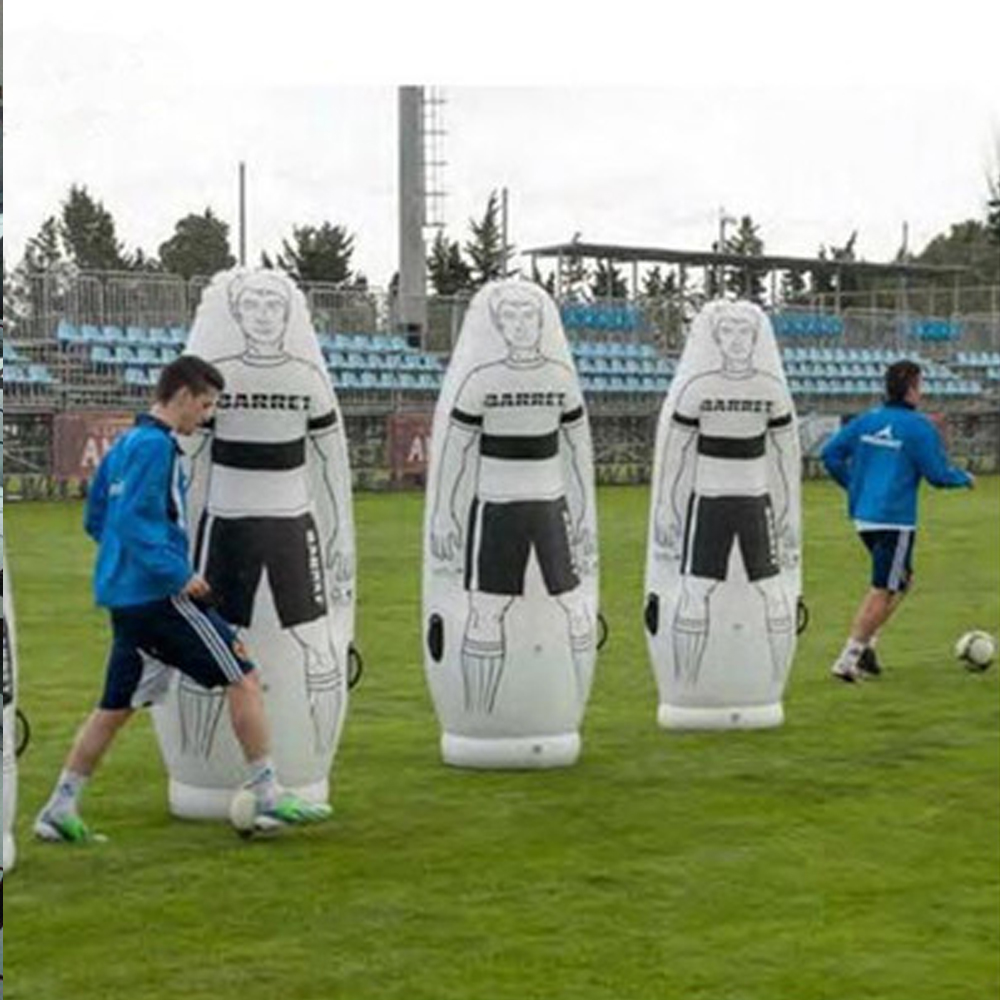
{"x":136,"y":335}
{"x":67,"y":332}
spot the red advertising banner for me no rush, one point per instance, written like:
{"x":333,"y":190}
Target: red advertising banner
{"x":409,"y":444}
{"x":80,"y":440}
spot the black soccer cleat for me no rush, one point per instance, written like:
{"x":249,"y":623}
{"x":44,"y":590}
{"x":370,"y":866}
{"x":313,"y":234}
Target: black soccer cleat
{"x":868,"y":663}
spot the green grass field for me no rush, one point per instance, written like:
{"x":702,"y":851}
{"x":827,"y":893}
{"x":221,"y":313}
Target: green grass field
{"x":854,"y":853}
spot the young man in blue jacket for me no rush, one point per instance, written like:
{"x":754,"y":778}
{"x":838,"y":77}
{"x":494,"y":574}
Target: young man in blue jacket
{"x":136,"y":514}
{"x":880,"y":459}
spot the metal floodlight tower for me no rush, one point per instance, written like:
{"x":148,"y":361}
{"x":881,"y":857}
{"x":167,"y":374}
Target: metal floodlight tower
{"x":420,"y":202}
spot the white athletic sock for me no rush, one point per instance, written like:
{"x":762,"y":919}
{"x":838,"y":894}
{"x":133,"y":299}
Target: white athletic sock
{"x":871,"y":642}
{"x":65,"y":796}
{"x":849,"y":656}
{"x":263,"y":782}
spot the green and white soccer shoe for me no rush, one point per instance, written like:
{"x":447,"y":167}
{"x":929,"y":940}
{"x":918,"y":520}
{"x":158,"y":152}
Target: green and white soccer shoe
{"x":65,"y":828}
{"x":248,"y":816}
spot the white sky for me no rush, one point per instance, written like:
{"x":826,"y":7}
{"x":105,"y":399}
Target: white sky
{"x":623,"y":126}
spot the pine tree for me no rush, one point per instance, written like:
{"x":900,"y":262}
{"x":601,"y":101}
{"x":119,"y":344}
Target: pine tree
{"x":318,"y":253}
{"x":87,"y":230}
{"x":993,"y":215}
{"x":447,"y":270}
{"x":747,"y":281}
{"x":608,"y":282}
{"x":486,"y":251}
{"x":200,"y":245}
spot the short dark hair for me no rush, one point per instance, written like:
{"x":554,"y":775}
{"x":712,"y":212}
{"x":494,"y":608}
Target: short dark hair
{"x":899,"y":376}
{"x":188,"y":372}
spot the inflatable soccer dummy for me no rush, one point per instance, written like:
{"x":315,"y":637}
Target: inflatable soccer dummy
{"x":269,"y":505}
{"x":510,"y":585}
{"x":9,"y":717}
{"x":723,"y":572}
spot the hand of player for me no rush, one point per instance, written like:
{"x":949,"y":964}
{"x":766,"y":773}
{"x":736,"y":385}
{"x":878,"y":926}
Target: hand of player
{"x":446,"y":537}
{"x":197,"y":587}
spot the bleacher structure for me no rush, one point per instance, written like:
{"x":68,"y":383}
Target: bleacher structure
{"x":102,"y":346}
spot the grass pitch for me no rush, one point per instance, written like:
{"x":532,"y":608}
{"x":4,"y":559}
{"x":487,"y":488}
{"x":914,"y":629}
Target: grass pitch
{"x":853,"y":853}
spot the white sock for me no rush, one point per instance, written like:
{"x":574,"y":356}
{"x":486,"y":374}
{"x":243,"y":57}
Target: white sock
{"x":849,"y":656}
{"x":872,"y":641}
{"x":263,"y":781}
{"x":66,"y":794}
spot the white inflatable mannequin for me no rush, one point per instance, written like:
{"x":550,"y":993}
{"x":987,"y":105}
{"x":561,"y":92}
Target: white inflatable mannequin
{"x":510,"y":582}
{"x":270,"y":511}
{"x":9,"y":719}
{"x":723,"y":572}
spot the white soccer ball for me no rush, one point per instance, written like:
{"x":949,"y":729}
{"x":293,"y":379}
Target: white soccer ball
{"x":976,"y":650}
{"x":243,"y":812}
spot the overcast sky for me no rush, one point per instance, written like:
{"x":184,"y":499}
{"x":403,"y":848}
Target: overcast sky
{"x":607,"y":122}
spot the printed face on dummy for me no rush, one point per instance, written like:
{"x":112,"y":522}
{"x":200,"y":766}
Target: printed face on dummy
{"x":262,"y":314}
{"x":736,"y":338}
{"x":520,"y":323}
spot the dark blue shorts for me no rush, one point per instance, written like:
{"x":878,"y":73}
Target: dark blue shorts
{"x":892,"y":557}
{"x":177,"y":633}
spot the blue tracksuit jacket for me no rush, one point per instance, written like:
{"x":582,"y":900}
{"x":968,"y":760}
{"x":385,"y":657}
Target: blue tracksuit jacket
{"x":135,"y":512}
{"x":880,"y":459}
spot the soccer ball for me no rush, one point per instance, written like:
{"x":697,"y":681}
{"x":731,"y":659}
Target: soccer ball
{"x":243,"y":812}
{"x":976,"y":650}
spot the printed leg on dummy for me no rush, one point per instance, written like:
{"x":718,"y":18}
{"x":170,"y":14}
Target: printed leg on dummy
{"x":581,"y":640}
{"x":324,"y":681}
{"x":780,"y":627}
{"x":483,"y":649}
{"x":691,"y":626}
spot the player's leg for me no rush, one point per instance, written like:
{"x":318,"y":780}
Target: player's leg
{"x":892,"y":553}
{"x":59,"y":819}
{"x":207,"y":650}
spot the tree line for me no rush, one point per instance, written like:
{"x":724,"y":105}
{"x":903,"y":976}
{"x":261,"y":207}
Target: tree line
{"x":83,"y":236}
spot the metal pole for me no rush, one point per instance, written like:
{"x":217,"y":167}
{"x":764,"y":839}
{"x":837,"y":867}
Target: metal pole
{"x":243,"y":214}
{"x":503,"y":229}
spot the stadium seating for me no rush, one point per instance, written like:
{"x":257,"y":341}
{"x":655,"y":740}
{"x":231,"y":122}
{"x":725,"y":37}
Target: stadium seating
{"x":611,"y":316}
{"x":859,"y":372}
{"x":926,"y":328}
{"x":608,"y":365}
{"x":798,"y":324}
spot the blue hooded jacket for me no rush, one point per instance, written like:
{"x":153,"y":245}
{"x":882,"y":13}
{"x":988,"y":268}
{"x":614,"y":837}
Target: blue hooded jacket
{"x":135,"y":512}
{"x":880,"y":459}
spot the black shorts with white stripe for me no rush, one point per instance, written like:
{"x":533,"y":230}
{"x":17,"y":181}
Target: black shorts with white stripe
{"x":176,"y":632}
{"x":892,"y":557}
